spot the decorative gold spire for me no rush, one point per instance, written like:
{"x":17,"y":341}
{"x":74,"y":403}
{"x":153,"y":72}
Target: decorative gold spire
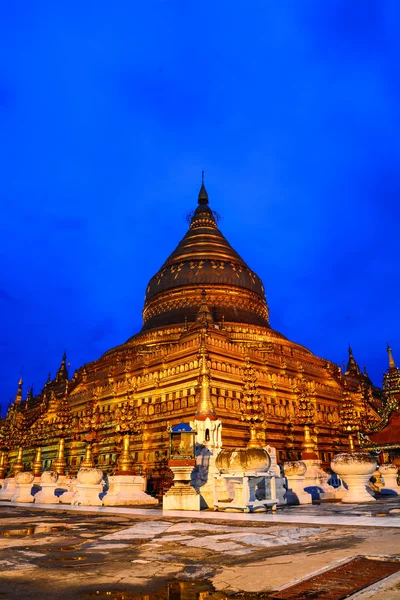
{"x":203,"y":196}
{"x":392,"y":364}
{"x":62,"y":372}
{"x":18,"y":465}
{"x":59,"y":464}
{"x":352,"y":366}
{"x":205,"y":407}
{"x":37,"y":463}
{"x":309,"y":445}
{"x":125,"y":462}
{"x":254,"y":441}
{"x":18,"y":396}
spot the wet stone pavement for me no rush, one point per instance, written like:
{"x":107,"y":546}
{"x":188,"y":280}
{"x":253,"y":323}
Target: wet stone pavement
{"x":66,"y":555}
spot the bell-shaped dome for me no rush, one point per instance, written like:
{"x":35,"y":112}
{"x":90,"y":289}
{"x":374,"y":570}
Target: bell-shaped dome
{"x":204,"y":268}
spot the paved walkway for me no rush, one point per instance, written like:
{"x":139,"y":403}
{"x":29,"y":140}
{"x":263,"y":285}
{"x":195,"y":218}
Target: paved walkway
{"x":307,"y":515}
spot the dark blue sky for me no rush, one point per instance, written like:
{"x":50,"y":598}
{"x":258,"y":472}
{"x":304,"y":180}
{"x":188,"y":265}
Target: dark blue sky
{"x":108,"y":114}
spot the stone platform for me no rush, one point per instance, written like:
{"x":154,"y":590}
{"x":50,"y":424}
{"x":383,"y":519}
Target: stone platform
{"x":136,"y":552}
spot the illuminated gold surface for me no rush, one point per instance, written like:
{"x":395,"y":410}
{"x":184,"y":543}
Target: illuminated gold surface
{"x":60,"y":463}
{"x":37,"y":463}
{"x":125,"y":462}
{"x":18,"y":465}
{"x":88,"y":462}
{"x":206,"y":343}
{"x":3,"y":464}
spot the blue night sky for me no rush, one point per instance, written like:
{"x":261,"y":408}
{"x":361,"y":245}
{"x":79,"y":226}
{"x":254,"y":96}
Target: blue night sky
{"x":108,"y":114}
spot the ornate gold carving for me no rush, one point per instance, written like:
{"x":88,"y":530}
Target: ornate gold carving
{"x":349,"y":420}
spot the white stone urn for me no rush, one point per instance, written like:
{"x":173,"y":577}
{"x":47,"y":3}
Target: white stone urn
{"x":295,"y":468}
{"x":355,"y":468}
{"x":24,"y":477}
{"x":89,"y":487}
{"x":389,"y":475}
{"x":24,"y":482}
{"x":294,"y":472}
{"x":48,"y":485}
{"x":49,"y":477}
{"x":89,"y":476}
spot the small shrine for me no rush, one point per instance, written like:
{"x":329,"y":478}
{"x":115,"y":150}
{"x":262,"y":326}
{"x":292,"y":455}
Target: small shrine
{"x":182,"y":460}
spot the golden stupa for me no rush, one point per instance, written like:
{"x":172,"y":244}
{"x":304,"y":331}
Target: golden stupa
{"x":204,"y":306}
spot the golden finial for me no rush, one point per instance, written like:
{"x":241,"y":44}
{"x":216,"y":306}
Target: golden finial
{"x":18,"y":396}
{"x":203,"y":196}
{"x":392,"y":364}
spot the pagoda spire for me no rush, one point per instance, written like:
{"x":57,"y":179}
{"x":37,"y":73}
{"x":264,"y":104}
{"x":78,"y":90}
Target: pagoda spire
{"x":18,"y":396}
{"x":62,"y":372}
{"x":29,"y":397}
{"x":352,"y":366}
{"x":203,"y":196}
{"x":205,"y":407}
{"x":392,"y":364}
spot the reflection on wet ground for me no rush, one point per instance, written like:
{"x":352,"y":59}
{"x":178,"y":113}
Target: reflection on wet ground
{"x":33,"y":530}
{"x":173,"y":590}
{"x":67,"y":555}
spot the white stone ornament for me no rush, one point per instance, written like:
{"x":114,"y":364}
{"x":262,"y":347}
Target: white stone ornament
{"x":89,"y":487}
{"x":24,"y":483}
{"x":389,"y":474}
{"x":355,"y":469}
{"x":49,"y":477}
{"x":68,"y":495}
{"x":127,"y":490}
{"x":249,"y":484}
{"x":89,"y":476}
{"x":9,"y":488}
{"x":294,"y":472}
{"x":48,"y":484}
